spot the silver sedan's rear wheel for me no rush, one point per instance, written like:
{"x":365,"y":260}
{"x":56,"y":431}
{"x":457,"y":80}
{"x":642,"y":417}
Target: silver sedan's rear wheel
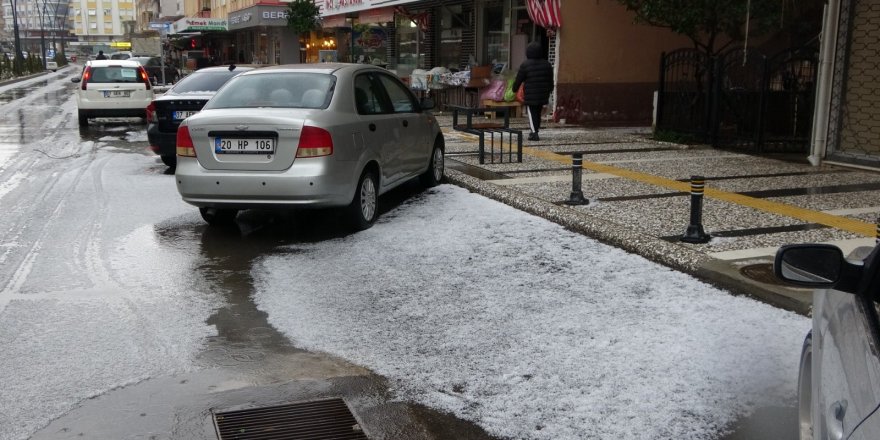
{"x":364,"y":207}
{"x":805,"y":390}
{"x":434,"y":174}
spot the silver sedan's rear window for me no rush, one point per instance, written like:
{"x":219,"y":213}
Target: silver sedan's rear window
{"x":281,"y":89}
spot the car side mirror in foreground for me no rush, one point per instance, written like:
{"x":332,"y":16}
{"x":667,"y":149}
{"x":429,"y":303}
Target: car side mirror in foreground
{"x":74,"y":80}
{"x":816,"y":265}
{"x":426,"y":103}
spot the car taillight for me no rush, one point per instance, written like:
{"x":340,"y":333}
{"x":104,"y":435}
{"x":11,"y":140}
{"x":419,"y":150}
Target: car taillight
{"x":185,"y":143}
{"x":151,"y":113}
{"x":87,"y":74}
{"x":314,"y":142}
{"x":144,"y":77}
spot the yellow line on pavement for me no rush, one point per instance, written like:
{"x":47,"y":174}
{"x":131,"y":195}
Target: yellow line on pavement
{"x":807,"y":215}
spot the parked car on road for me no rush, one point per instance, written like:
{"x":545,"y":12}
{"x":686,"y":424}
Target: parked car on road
{"x":307,"y":136}
{"x":51,"y":65}
{"x":112,"y":88}
{"x":839,"y":380}
{"x":153,"y":65}
{"x":185,"y":99}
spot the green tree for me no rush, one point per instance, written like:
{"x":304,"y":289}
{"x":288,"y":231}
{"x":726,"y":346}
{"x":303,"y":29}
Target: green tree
{"x":707,"y":22}
{"x":303,"y":16}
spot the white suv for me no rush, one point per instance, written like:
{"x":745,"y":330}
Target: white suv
{"x":112,"y":88}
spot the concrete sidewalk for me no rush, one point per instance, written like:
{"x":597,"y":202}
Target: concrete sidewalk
{"x":639,"y":200}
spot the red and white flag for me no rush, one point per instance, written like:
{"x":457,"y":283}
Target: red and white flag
{"x":545,"y":13}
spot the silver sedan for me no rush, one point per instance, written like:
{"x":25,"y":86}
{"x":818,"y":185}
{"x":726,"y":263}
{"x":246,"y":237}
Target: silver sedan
{"x":311,"y":135}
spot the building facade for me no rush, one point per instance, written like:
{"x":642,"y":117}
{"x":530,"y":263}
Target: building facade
{"x":39,"y":22}
{"x":846,"y":123}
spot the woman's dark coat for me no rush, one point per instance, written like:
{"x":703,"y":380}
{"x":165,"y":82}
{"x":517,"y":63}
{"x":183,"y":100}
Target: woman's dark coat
{"x":537,"y":74}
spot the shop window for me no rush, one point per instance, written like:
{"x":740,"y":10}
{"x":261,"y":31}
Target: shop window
{"x":497,"y":26}
{"x":411,"y":50}
{"x":452,"y":26}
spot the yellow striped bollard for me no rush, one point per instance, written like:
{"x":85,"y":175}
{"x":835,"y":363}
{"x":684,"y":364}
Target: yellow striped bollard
{"x":695,"y":232}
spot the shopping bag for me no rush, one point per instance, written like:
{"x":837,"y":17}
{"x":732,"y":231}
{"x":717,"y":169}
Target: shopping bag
{"x":520,"y":94}
{"x":509,"y":94}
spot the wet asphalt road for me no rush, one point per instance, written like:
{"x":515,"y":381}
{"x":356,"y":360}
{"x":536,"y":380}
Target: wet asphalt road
{"x":106,"y":271}
{"x":106,"y":278}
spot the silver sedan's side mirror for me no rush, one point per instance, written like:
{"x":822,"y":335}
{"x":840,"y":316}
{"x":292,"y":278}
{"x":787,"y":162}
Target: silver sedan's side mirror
{"x":75,"y":80}
{"x":426,"y":103}
{"x":816,"y":265}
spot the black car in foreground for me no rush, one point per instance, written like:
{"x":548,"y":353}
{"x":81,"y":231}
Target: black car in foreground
{"x":186,"y":98}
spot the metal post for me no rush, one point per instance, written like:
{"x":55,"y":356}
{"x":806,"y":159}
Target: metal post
{"x":695,"y":232}
{"x":577,"y":196}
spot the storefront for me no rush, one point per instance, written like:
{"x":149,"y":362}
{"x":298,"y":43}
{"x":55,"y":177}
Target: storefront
{"x":452,"y":35}
{"x":260,"y":36}
{"x":198,"y":42}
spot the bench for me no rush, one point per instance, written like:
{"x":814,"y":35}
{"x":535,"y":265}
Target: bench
{"x":514,"y":108}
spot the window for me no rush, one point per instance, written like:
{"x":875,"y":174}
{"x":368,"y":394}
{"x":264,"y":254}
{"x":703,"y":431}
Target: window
{"x":401,"y":99}
{"x":92,"y":12}
{"x":452,"y":25}
{"x":368,"y":98}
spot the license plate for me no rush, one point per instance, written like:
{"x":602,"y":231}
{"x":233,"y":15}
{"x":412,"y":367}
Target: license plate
{"x":244,"y":145}
{"x":117,"y":93}
{"x":181,"y":115}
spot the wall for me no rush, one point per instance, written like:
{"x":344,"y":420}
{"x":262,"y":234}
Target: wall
{"x":608,"y":67}
{"x":860,"y":121}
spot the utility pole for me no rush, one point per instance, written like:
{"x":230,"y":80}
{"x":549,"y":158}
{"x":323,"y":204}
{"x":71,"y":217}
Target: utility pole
{"x":17,"y":59}
{"x":42,"y":11}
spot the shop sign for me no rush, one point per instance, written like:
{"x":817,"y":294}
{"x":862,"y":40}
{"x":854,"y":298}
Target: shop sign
{"x":259,"y":15}
{"x":338,"y":6}
{"x":333,"y":7}
{"x":199,"y":24}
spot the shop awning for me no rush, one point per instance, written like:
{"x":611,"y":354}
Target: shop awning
{"x":545,"y":13}
{"x":333,"y":21}
{"x":378,"y":15}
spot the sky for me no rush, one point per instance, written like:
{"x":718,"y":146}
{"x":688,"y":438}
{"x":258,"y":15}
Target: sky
{"x":540,"y":333}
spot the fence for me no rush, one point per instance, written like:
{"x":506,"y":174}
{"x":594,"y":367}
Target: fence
{"x":748,"y":102}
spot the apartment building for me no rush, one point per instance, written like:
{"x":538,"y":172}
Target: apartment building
{"x":101,"y":22}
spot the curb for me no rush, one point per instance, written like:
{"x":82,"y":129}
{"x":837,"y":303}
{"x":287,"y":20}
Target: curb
{"x":673,"y":255}
{"x":32,"y":76}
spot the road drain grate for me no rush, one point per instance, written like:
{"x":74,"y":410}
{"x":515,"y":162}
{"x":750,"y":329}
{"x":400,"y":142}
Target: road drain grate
{"x":761,"y":272}
{"x":322,"y":419}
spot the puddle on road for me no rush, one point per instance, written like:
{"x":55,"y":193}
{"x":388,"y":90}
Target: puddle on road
{"x":21,"y":92}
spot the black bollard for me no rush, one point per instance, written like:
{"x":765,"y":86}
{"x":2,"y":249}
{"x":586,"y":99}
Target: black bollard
{"x":577,"y":196}
{"x":695,"y":233}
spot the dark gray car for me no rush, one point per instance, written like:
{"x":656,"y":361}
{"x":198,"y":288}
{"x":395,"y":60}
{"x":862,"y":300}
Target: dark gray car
{"x":185,"y":99}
